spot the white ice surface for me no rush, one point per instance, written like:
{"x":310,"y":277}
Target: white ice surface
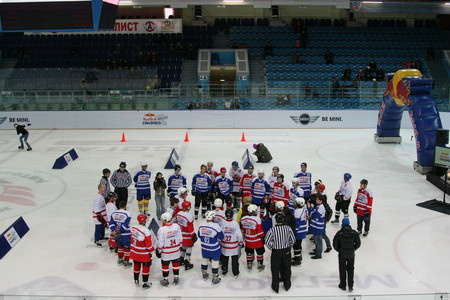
{"x":406,"y":251}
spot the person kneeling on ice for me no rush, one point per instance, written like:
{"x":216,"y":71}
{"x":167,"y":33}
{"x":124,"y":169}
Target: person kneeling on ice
{"x":169,"y":246}
{"x":262,"y":153}
{"x":141,"y":251}
{"x":210,"y":234}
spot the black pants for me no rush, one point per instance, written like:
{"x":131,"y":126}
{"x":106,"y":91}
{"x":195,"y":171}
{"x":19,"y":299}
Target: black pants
{"x":203,"y":200}
{"x":280,"y":265}
{"x":234,"y":264}
{"x":346,"y":270}
{"x":342,"y":205}
{"x":225,"y":199}
{"x":298,"y":248}
{"x":236,"y":199}
{"x":122,"y":195}
{"x":366,"y":220}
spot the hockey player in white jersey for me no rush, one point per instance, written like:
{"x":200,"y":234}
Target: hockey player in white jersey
{"x":272,"y":179}
{"x":304,"y":178}
{"x":219,"y":213}
{"x":231,"y":244}
{"x":343,"y":198}
{"x":169,"y":245}
{"x":99,"y":215}
{"x":236,"y":174}
{"x":181,"y":196}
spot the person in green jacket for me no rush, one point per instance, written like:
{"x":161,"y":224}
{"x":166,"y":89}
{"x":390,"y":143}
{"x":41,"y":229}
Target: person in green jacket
{"x":262,"y":153}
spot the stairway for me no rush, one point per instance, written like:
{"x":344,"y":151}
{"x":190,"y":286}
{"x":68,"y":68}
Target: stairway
{"x":221,"y":41}
{"x":257,"y":77}
{"x":189,"y":78}
{"x":438,"y":72}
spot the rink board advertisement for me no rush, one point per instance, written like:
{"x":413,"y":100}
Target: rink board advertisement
{"x":199,"y":119}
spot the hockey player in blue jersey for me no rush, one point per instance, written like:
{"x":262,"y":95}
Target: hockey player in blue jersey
{"x":175,"y":181}
{"x":120,"y":226}
{"x":260,"y":192}
{"x":224,"y":186}
{"x":304,"y":179}
{"x":301,"y":228}
{"x":142,"y":184}
{"x":210,"y":235}
{"x":201,"y":186}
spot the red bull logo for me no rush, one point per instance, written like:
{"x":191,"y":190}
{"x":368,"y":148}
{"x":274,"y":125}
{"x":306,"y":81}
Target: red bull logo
{"x":152,"y":119}
{"x":400,"y":93}
{"x":444,"y":157}
{"x":149,"y":115}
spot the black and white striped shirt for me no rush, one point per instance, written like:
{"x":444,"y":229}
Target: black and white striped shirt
{"x":280,"y":237}
{"x":105,"y":182}
{"x":121,"y":179}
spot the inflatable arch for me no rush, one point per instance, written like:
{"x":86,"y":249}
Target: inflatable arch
{"x":407,"y":88}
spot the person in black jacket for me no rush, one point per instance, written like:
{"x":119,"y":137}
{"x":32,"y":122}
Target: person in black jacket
{"x":262,"y":153}
{"x":20,"y":129}
{"x":346,"y":241}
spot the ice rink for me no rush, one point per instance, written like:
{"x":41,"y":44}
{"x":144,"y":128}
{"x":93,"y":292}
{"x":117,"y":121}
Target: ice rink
{"x":406,"y":251}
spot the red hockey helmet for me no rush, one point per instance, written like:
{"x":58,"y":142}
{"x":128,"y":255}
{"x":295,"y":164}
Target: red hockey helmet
{"x":186,"y":204}
{"x":142,"y":219}
{"x":321,"y":187}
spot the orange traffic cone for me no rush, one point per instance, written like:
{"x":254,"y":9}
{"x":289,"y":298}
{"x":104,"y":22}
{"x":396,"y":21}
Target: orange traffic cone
{"x":186,"y":138}
{"x":123,"y":138}
{"x":243,"y":137}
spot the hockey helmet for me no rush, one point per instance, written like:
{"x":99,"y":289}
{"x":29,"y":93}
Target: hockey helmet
{"x":229,"y":214}
{"x":182,"y":190}
{"x":186,"y":204}
{"x":235,"y":164}
{"x":166,"y":217}
{"x":252,"y":208}
{"x":300,"y":201}
{"x":218,"y":203}
{"x":209,"y":215}
{"x":279,"y":205}
{"x":364,"y":181}
{"x":142,"y":219}
{"x":347,"y":176}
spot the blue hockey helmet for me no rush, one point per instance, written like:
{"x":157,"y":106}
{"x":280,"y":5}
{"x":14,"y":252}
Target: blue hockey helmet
{"x":235,"y":164}
{"x":347,"y":176}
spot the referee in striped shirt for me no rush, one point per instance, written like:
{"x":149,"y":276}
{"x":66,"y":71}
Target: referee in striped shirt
{"x":121,"y":180}
{"x":280,"y":239}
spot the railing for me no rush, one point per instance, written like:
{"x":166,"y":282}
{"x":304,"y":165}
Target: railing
{"x":225,"y":96}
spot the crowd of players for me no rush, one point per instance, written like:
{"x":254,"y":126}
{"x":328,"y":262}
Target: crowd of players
{"x":259,"y":202}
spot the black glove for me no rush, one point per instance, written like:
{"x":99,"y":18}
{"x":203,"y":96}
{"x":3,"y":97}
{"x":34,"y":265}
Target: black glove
{"x":366,"y":214}
{"x":168,"y":192}
{"x":263,"y":240}
{"x":29,"y":124}
{"x":338,"y":197}
{"x":194,"y":238}
{"x":354,"y":209}
{"x":158,"y":254}
{"x":193,"y":193}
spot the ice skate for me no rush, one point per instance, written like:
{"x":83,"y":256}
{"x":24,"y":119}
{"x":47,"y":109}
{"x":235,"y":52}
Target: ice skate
{"x":127,"y":264}
{"x":249,"y":265}
{"x":188,"y":265}
{"x":216,"y":279}
{"x":120,"y":261}
{"x":146,"y":285}
{"x":29,"y":149}
{"x":136,"y":282}
{"x":236,"y":276}
{"x":98,"y":244}
{"x":20,"y":147}
{"x":205,"y":274}
{"x":335,"y":221}
{"x":366,"y":233}
{"x":176,"y":280}
{"x":224,"y":272}
{"x":261,"y":267}
{"x":164,"y":282}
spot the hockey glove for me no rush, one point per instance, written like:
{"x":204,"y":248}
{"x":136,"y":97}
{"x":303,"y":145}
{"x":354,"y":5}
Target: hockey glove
{"x":158,"y":254}
{"x":193,"y":193}
{"x":168,"y":192}
{"x":263,"y":240}
{"x":354,"y":209}
{"x":366,"y":214}
{"x":194,"y":238}
{"x":338,"y":197}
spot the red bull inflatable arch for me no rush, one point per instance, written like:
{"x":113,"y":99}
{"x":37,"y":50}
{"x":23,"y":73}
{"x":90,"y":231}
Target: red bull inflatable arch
{"x":407,"y":88}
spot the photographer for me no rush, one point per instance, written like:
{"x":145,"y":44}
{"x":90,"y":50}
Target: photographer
{"x":159,"y":185}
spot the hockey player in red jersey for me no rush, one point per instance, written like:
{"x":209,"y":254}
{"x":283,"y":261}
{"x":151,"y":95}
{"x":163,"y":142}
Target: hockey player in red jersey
{"x":363,"y":207}
{"x":253,"y":236}
{"x":280,"y":190}
{"x":246,"y":182}
{"x":186,"y":222}
{"x":141,"y":251}
{"x":169,"y":244}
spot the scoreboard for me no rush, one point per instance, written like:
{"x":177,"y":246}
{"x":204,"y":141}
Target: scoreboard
{"x":57,"y":15}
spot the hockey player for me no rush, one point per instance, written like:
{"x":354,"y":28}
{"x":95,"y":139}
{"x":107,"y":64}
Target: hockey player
{"x":246,"y":182}
{"x":212,"y":175}
{"x":141,"y":251}
{"x":142,"y":184}
{"x":301,"y":228}
{"x":253,"y":235}
{"x":175,"y":181}
{"x":99,"y":215}
{"x":231,"y":244}
{"x":105,"y":181}
{"x":219,"y":214}
{"x":173,"y":209}
{"x":280,"y":190}
{"x":363,"y":207}
{"x":169,"y":244}
{"x":343,"y":198}
{"x":304,"y":178}
{"x":20,"y":129}
{"x":201,"y":186}
{"x":223,"y":187}
{"x":110,"y":209}
{"x":316,"y":225}
{"x":260,"y":193}
{"x":181,"y":196}
{"x":210,"y":235}
{"x":294,"y":192}
{"x":272,"y":179}
{"x":186,"y":222}
{"x":121,"y":180}
{"x":120,"y":225}
{"x":236,"y":174}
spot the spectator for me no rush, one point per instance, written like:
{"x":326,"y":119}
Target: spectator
{"x":83,"y":84}
{"x":329,"y":58}
{"x":236,"y":104}
{"x":380,"y":74}
{"x":197,"y":105}
{"x":430,"y":53}
{"x":191,"y":51}
{"x":298,"y":44}
{"x":280,"y":100}
{"x":227,"y":104}
{"x":360,"y":75}
{"x":347,"y":74}
{"x":268,"y":50}
{"x":335,"y":87}
{"x":189,"y":106}
{"x":367,"y":74}
{"x":159,"y":185}
{"x":409,"y":64}
{"x":205,"y":105}
{"x":373,"y":66}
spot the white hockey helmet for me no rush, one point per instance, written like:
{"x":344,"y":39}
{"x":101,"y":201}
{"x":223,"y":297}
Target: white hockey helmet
{"x":218,"y":202}
{"x":143,"y":163}
{"x":300,"y":201}
{"x":279,"y":205}
{"x":182,"y":190}
{"x":209,"y":215}
{"x":252,"y":208}
{"x":260,"y":171}
{"x":166,"y":217}
{"x":295,"y":180}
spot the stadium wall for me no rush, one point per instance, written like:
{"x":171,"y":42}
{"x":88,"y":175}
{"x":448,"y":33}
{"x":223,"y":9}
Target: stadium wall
{"x":200,"y":119}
